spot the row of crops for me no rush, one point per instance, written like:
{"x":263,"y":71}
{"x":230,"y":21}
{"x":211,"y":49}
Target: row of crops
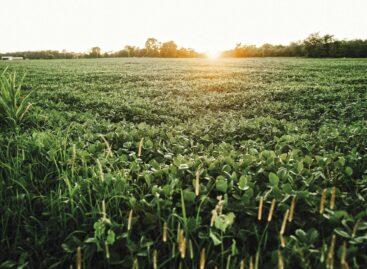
{"x":155,"y":163}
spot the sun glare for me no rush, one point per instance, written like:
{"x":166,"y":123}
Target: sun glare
{"x":213,"y":54}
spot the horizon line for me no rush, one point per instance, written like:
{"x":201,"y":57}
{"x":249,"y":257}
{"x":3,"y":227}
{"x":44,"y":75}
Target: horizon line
{"x":182,"y":46}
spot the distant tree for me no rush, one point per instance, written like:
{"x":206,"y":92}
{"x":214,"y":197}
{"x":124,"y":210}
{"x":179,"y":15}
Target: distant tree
{"x":295,"y":49}
{"x":187,"y":53}
{"x":152,"y":47}
{"x":313,"y":45}
{"x":95,"y":52}
{"x":266,"y":50}
{"x":327,"y":43}
{"x":120,"y":53}
{"x":132,"y":51}
{"x":168,"y":49}
{"x":141,"y":52}
{"x":319,"y":46}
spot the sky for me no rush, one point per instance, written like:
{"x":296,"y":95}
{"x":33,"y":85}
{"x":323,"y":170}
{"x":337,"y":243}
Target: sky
{"x":205,"y":25}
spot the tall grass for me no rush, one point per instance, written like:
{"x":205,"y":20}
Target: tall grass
{"x":13,"y":105}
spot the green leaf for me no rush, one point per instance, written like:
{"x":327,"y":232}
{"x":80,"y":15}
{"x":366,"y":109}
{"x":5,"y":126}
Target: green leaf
{"x":99,"y":228}
{"x":224,"y":221}
{"x":8,"y":264}
{"x":189,"y":196}
{"x":341,"y":233}
{"x":216,"y":240}
{"x":307,"y":159}
{"x":234,"y":249}
{"x":348,"y":171}
{"x":66,"y":248}
{"x":299,"y":167}
{"x":287,"y":188}
{"x":312,"y":235}
{"x":242,"y":183}
{"x":341,"y":161}
{"x":301,"y":234}
{"x":110,"y":237}
{"x":273,"y":179}
{"x":221,"y":185}
{"x":88,"y":240}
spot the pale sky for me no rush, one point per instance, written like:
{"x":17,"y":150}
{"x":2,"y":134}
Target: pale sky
{"x":205,"y":25}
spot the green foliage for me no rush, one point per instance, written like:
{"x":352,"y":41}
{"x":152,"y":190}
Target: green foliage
{"x":273,"y":179}
{"x":13,"y":106}
{"x":314,"y":46}
{"x":219,"y":137}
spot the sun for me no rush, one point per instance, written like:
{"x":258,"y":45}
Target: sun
{"x":213,"y":54}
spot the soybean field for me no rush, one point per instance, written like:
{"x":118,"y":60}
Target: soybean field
{"x":183,"y":163}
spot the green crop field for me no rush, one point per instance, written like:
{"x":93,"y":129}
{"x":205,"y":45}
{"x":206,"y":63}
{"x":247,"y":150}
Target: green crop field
{"x":168,"y":163}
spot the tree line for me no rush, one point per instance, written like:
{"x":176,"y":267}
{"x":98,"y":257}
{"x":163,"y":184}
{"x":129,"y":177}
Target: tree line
{"x":314,"y":45}
{"x":152,"y":48}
